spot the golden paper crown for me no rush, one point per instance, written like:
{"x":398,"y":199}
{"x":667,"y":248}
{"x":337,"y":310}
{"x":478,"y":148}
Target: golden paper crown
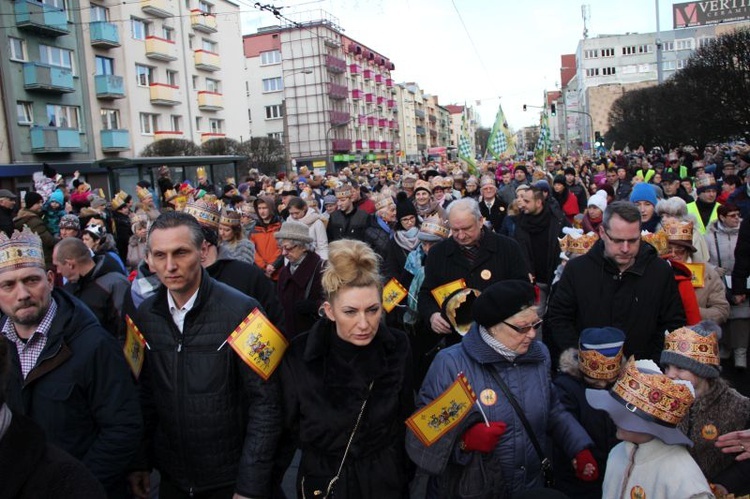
{"x":423,"y":184}
{"x":383,"y":201}
{"x":688,"y":343}
{"x":343,"y":191}
{"x":656,"y":397}
{"x":658,"y":240}
{"x":598,"y":366}
{"x":170,"y":194}
{"x":119,"y":200}
{"x":434,"y":227}
{"x":138,"y":217}
{"x":706,"y":180}
{"x":201,"y":173}
{"x":23,"y":249}
{"x":204,"y":211}
{"x":487,"y":180}
{"x":142,"y":193}
{"x":578,"y":246}
{"x":678,"y":230}
{"x":230,"y":217}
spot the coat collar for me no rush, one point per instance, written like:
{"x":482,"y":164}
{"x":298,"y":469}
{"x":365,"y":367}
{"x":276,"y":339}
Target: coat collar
{"x":319,"y":339}
{"x":646,"y":253}
{"x":161,"y":305}
{"x":477,"y":349}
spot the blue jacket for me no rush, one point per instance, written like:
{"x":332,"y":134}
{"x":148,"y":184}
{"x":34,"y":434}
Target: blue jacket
{"x":529,"y":381}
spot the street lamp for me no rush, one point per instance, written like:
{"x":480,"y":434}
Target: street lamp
{"x":288,"y":164}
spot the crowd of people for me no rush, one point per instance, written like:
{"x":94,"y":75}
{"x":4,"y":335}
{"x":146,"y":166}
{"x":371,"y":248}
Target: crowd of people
{"x":587,"y":304}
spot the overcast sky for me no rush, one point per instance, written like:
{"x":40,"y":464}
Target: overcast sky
{"x":518,"y":43}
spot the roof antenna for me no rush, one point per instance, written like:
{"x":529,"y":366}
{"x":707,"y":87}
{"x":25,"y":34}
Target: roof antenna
{"x":586,"y":15}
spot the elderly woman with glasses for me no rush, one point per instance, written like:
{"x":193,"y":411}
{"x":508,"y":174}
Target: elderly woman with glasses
{"x":490,"y":452}
{"x":299,"y":286}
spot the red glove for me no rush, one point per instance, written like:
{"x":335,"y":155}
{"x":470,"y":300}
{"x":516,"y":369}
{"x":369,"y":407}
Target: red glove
{"x":483,"y":438}
{"x":581,"y":461}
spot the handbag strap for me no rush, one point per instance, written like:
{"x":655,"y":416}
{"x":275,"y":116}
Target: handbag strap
{"x":310,"y":282}
{"x":718,"y":253}
{"x":546,"y":463}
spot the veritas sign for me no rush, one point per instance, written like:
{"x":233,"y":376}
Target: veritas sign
{"x":712,"y":12}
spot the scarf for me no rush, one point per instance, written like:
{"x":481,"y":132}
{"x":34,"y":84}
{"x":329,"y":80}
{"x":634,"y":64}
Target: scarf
{"x":5,"y":417}
{"x":407,"y":239}
{"x":384,"y":225}
{"x":427,"y":210}
{"x":534,"y":224}
{"x":498,"y":347}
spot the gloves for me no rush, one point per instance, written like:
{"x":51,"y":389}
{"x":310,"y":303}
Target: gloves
{"x":483,"y":438}
{"x":582,"y":461}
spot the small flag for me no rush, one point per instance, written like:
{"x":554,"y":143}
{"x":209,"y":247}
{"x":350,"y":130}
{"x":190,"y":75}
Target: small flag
{"x":544,"y":144}
{"x":393,"y":294}
{"x":258,"y":343}
{"x":465,"y":150}
{"x":442,"y":414}
{"x":135,"y":347}
{"x":698,"y":271}
{"x":442,"y":292}
{"x":497,"y":144}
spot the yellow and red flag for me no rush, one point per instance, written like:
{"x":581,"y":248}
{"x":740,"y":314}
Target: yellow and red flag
{"x":135,"y":347}
{"x":698,"y":270}
{"x":442,"y":292}
{"x":393,"y":294}
{"x":259,"y":344}
{"x":442,"y":414}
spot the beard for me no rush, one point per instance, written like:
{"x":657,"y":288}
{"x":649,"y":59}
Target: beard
{"x":30,"y":318}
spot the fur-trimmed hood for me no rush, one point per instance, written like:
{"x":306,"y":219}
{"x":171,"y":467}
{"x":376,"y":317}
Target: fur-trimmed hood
{"x":569,"y":363}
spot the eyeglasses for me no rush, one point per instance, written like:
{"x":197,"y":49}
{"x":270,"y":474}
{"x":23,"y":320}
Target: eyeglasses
{"x":524,"y":329}
{"x":620,"y":242}
{"x":289,"y":248}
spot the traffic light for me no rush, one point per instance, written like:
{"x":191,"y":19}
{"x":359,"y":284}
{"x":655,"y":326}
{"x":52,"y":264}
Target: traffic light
{"x":553,"y":109}
{"x":524,"y":107}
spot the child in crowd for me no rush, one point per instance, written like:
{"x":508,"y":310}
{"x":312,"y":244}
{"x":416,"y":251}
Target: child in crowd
{"x":53,"y":210}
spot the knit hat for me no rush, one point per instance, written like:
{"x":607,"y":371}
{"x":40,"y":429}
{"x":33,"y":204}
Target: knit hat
{"x":404,"y":207}
{"x":543,"y":185}
{"x":501,"y":300}
{"x":329,"y":199}
{"x":97,"y":202}
{"x":643,"y":192}
{"x":522,"y":168}
{"x":695,"y":349}
{"x":57,"y":197}
{"x":32,"y":198}
{"x":293,"y":231}
{"x":559,"y":179}
{"x":22,"y":249}
{"x":70,"y":221}
{"x":599,"y":200}
{"x":600,"y":352}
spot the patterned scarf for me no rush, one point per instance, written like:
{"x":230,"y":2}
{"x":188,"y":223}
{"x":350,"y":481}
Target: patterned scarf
{"x":496,"y":345}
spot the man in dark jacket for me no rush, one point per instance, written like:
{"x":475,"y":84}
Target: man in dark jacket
{"x":348,"y":222}
{"x":491,"y":205}
{"x":67,"y":373}
{"x":620,"y":282}
{"x":212,"y":423}
{"x":7,"y":204}
{"x":121,"y":224}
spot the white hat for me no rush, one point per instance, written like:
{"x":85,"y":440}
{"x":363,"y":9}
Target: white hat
{"x":599,"y":200}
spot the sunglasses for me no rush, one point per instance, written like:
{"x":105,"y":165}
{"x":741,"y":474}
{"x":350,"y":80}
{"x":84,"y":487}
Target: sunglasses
{"x":524,"y":329}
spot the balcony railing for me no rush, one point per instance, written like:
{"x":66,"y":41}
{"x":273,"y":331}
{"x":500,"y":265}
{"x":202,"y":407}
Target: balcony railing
{"x":164,"y":95}
{"x":370,"y":121}
{"x":207,"y":61}
{"x":341,"y":145}
{"x":421,"y":130}
{"x":367,"y":74}
{"x":389,"y":83}
{"x":335,"y":65}
{"x":115,"y":140}
{"x":203,"y":21}
{"x":355,"y":69}
{"x":337,"y":92}
{"x":167,"y":134}
{"x":359,"y":144}
{"x":392,"y":124}
{"x":361,"y":119}
{"x":160,"y":49}
{"x":369,"y":98}
{"x":210,"y":101}
{"x":104,"y":35}
{"x":357,"y":94}
{"x":47,"y":139}
{"x":390,"y":104}
{"x":206,"y":136}
{"x":379,"y":79}
{"x":419,"y":113}
{"x":43,"y":78}
{"x":380,"y":100}
{"x":374,"y":144}
{"x":382,"y":123}
{"x":41,"y":18}
{"x":158,"y":8}
{"x":109,"y":87}
{"x":432,"y":118}
{"x":339,"y":117}
{"x":385,"y":145}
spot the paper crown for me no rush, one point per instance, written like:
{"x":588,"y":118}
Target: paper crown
{"x":424,"y":185}
{"x":487,"y":180}
{"x":120,"y":199}
{"x":688,"y":343}
{"x":230,"y":217}
{"x":384,"y":200}
{"x":677,"y":230}
{"x":578,"y":245}
{"x":142,"y":193}
{"x":657,"y":240}
{"x":408,"y":179}
{"x":704,"y":181}
{"x":653,"y":397}
{"x":206,"y":213}
{"x":23,"y":249}
{"x":201,"y":173}
{"x":343,"y":191}
{"x":434,"y":228}
{"x":138,"y":218}
{"x":457,"y":308}
{"x":598,"y":366}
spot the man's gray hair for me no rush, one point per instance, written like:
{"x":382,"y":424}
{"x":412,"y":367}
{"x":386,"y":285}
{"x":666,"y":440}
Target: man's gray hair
{"x":470,"y":205}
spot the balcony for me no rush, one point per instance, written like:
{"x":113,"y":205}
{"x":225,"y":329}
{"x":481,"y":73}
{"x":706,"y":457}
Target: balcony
{"x":210,"y":101}
{"x":167,"y":134}
{"x":158,"y":8}
{"x":421,"y":130}
{"x":374,"y":144}
{"x":164,"y":95}
{"x":206,"y":136}
{"x":369,"y":98}
{"x":382,"y":123}
{"x":109,"y":87}
{"x":378,"y":79}
{"x":341,"y":145}
{"x":203,"y":21}
{"x":335,"y":65}
{"x":337,"y":92}
{"x":367,"y":73}
{"x":49,"y":139}
{"x":388,"y":83}
{"x":339,"y":117}
{"x":419,"y":113}
{"x":432,"y":118}
{"x":115,"y":140}
{"x":380,"y":100}
{"x":40,"y":18}
{"x":392,"y":124}
{"x":207,"y":61}
{"x":385,"y":145}
{"x":355,"y":69}
{"x":42,"y":78}
{"x":359,"y":144}
{"x":370,"y":121}
{"x":104,"y":35}
{"x":160,"y":49}
{"x":356,"y":94}
{"x":390,"y":103}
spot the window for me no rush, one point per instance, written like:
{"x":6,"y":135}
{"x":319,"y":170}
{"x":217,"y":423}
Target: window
{"x":138,"y":28}
{"x":59,"y":4}
{"x":172,"y":78}
{"x":629,"y":50}
{"x":105,"y":65}
{"x":276,"y":135}
{"x":667,"y":46}
{"x":215,"y":126}
{"x":608,"y":71}
{"x":25,"y":113}
{"x":682,"y":63}
{"x":205,"y":7}
{"x":195,"y":82}
{"x":149,"y":123}
{"x":668,"y":65}
{"x":272,"y":84}
{"x":99,"y":13}
{"x":190,"y":41}
{"x":176,"y":122}
{"x":63,"y":116}
{"x":55,"y":56}
{"x":270,"y":57}
{"x":167,"y":33}
{"x":213,"y":85}
{"x":110,"y":119}
{"x":705,"y":41}
{"x":144,"y":75}
{"x":610,"y":52}
{"x":198,"y":123}
{"x":273,"y":112}
{"x":590,"y":54}
{"x":685,"y":44}
{"x":209,"y":46}
{"x":17,"y":49}
{"x":592,"y":72}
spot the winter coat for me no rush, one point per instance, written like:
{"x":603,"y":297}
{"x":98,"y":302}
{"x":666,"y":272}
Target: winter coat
{"x":556,"y":223}
{"x":123,"y":231}
{"x":300,"y":306}
{"x":692,"y":209}
{"x":571,"y":389}
{"x":323,"y":391}
{"x":721,"y":242}
{"x":35,"y":469}
{"x":136,"y":252}
{"x":351,"y":225}
{"x":712,"y":297}
{"x":211,"y":421}
{"x":741,"y":270}
{"x":267,"y":250}
{"x":496,"y":214}
{"x":34,"y":221}
{"x":314,"y":222}
{"x":569,"y":206}
{"x":52,"y":216}
{"x":103,"y":290}
{"x":580,"y":193}
{"x":514,"y":463}
{"x":81,"y":392}
{"x":6,"y":221}
{"x":377,"y":236}
{"x":721,"y":410}
{"x":242,"y":250}
{"x":642,"y":301}
{"x":741,"y":199}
